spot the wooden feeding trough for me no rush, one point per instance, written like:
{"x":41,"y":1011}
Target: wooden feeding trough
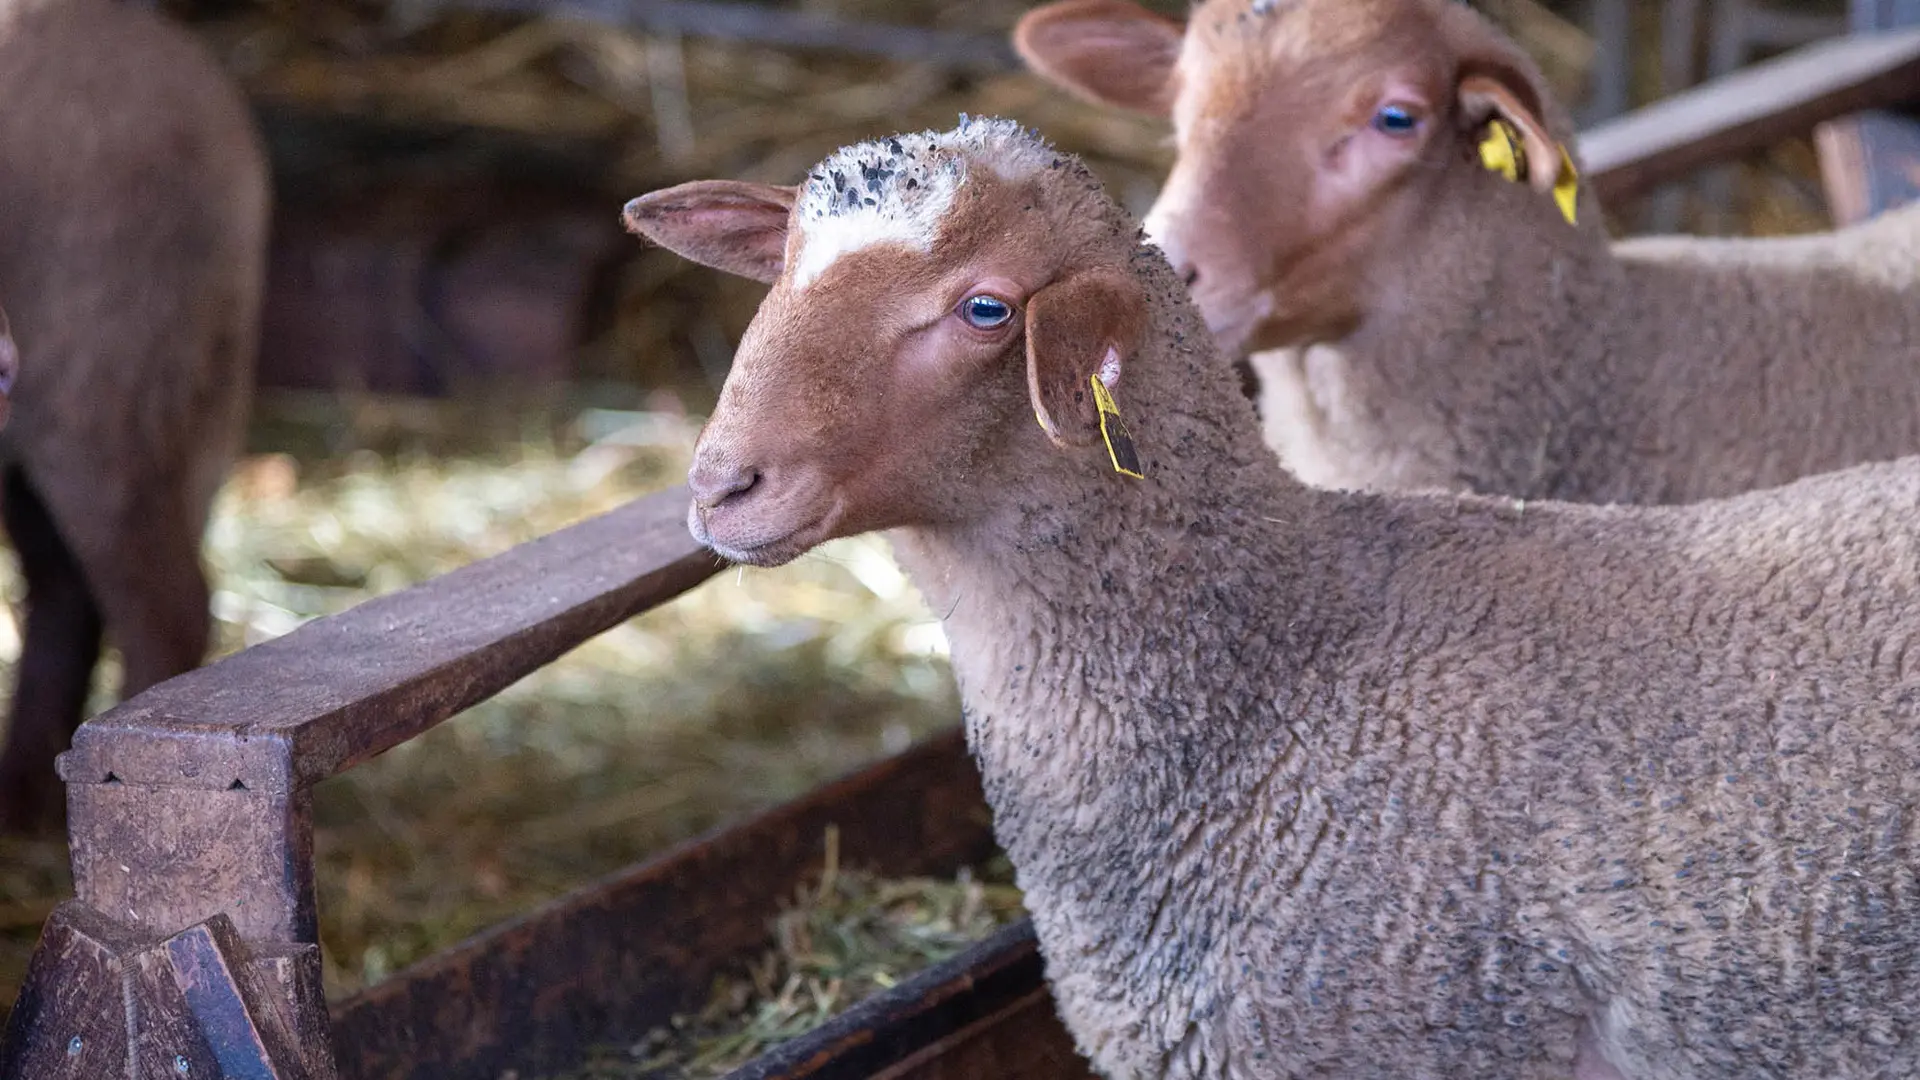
{"x":191,"y":949}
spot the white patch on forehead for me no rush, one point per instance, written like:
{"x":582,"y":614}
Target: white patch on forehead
{"x":897,"y":190}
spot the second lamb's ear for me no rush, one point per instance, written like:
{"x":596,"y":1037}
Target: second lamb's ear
{"x":729,"y":225}
{"x":1084,"y":328}
{"x":1109,"y":52}
{"x":1482,"y":97}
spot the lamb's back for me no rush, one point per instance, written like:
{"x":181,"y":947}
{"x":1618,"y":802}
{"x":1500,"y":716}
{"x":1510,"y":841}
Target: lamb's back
{"x":1802,"y":353}
{"x":1701,"y":732}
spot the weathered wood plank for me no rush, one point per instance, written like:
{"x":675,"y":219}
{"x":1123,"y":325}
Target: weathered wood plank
{"x":163,"y":858}
{"x":101,"y":1000}
{"x":985,"y":1012}
{"x":303,"y":707}
{"x":1869,"y":162}
{"x":71,"y":1020}
{"x":1749,"y":109}
{"x":200,"y":1014}
{"x":770,"y":25}
{"x":1023,"y":1041}
{"x":615,"y":960}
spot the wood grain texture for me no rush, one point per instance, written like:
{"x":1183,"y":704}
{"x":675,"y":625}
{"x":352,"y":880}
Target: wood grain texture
{"x":164,"y":858}
{"x":70,"y":1022}
{"x":1749,"y":109}
{"x":102,"y":999}
{"x":611,"y":962}
{"x":293,"y":711}
{"x":1024,"y":1040}
{"x":985,"y":1012}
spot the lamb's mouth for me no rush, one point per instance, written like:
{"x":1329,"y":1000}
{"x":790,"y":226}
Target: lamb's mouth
{"x":770,"y":552}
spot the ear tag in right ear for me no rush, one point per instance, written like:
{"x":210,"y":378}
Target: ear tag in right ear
{"x":1126,"y":461}
{"x":1500,"y":150}
{"x":1566,"y":190}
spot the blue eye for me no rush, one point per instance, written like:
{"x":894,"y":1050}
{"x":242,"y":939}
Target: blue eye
{"x":984,"y":312}
{"x":1395,"y":120}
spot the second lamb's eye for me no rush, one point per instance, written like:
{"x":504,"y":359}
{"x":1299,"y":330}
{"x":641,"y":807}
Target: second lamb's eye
{"x":984,"y":312}
{"x":1395,"y":120}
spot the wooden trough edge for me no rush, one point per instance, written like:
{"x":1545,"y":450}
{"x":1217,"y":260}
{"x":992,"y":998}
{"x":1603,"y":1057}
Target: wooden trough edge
{"x":339,"y":690}
{"x":985,"y":1012}
{"x":614,"y":960}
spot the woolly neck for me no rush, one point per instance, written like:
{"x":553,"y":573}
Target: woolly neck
{"x":1081,"y":575}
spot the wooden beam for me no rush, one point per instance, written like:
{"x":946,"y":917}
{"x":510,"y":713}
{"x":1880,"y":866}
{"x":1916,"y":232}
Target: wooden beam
{"x":764,"y":24}
{"x":291,"y":712}
{"x":1750,"y":109}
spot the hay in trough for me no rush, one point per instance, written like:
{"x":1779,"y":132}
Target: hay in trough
{"x":842,"y":939}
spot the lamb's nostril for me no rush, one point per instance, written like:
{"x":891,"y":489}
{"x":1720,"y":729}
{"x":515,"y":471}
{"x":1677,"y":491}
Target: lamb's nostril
{"x":714,"y":484}
{"x":1190,"y":274}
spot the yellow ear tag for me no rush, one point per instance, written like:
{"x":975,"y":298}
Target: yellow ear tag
{"x":1566,"y":190}
{"x":1126,"y":461}
{"x":1500,"y":151}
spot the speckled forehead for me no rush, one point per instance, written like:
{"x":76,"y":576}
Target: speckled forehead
{"x":899,"y":190}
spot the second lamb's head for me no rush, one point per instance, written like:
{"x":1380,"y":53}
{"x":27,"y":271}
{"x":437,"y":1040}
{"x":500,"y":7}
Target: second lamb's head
{"x":1326,"y":148}
{"x":933,"y":296}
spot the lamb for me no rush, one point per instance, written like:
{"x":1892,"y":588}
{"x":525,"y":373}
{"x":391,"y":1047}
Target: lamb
{"x":1309,"y":783}
{"x":1419,"y":321}
{"x":132,"y":258}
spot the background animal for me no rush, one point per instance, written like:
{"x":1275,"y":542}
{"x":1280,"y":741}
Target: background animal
{"x":1303,"y":783}
{"x":133,"y":228}
{"x":1421,"y":321}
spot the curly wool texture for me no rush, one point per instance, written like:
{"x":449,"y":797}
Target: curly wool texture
{"x":1312,"y":784}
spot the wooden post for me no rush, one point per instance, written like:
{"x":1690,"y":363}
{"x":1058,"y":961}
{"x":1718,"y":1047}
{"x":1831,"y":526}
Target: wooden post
{"x":1870,"y":161}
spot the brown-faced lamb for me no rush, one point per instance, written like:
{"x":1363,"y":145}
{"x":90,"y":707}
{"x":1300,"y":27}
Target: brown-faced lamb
{"x":133,"y":229}
{"x":1426,"y":322}
{"x":1305,"y":783}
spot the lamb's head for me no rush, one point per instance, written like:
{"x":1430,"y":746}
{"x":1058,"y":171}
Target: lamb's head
{"x":1314,"y":137}
{"x":932,"y":296}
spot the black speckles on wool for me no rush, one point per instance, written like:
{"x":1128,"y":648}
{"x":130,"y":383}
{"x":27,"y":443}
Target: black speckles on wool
{"x":903,"y":174}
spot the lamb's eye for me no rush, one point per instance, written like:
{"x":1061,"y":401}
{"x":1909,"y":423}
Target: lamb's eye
{"x":1395,"y":120}
{"x":984,"y":312}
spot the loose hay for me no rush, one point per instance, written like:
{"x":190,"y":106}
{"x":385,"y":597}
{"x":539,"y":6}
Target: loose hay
{"x":841,"y":940}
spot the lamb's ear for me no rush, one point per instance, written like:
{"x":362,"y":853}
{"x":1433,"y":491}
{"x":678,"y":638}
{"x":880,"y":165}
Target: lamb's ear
{"x":1085,"y":326}
{"x":1483,"y":96}
{"x":1109,"y":52}
{"x":729,"y":225}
